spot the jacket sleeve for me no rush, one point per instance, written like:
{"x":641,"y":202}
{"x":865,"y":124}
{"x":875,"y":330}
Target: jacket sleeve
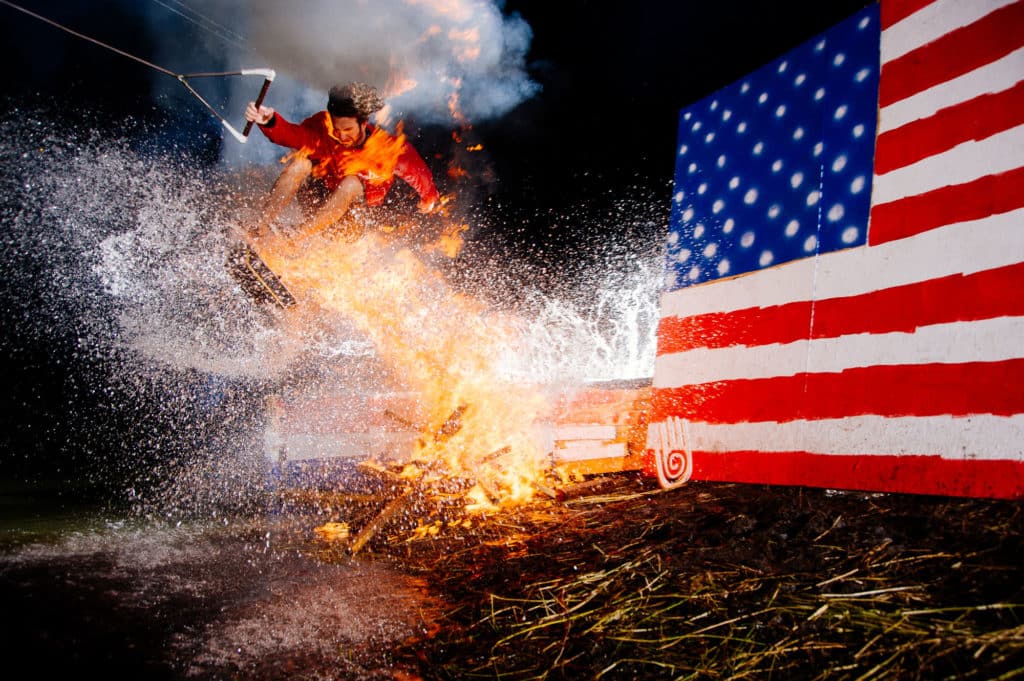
{"x":414,"y":171}
{"x":288,"y":134}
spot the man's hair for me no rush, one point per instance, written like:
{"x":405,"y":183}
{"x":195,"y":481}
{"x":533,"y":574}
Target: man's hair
{"x":355,"y":100}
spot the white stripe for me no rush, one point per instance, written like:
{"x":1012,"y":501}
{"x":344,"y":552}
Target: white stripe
{"x":989,"y":340}
{"x":932,"y":22}
{"x":989,"y":438}
{"x":967,"y":247}
{"x":963,"y":163}
{"x":995,"y":77}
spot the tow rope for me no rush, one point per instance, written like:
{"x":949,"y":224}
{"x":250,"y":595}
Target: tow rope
{"x":243,"y":136}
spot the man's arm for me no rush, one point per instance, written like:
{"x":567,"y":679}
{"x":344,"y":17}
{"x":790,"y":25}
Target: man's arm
{"x":277,"y":129}
{"x":414,"y":171}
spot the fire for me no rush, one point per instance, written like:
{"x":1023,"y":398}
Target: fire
{"x":445,"y":345}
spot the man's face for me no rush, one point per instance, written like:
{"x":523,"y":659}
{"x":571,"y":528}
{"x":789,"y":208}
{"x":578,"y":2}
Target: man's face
{"x":349,"y":131}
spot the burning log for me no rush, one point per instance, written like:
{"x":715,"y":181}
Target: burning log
{"x":452,"y":424}
{"x":382,"y":518}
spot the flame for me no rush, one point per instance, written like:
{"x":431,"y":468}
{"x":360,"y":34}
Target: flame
{"x":375,"y":161}
{"x":450,"y":241}
{"x":445,"y":345}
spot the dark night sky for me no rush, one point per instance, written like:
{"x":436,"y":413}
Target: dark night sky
{"x":613,"y":77}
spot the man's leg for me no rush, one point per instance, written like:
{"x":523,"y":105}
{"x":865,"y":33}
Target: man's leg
{"x":284,"y":190}
{"x":334,"y":208}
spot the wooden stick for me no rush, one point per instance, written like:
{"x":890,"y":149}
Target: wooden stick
{"x":366,"y":534}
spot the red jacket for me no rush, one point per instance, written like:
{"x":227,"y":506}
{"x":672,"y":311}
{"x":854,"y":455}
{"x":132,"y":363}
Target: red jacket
{"x":375,"y":163}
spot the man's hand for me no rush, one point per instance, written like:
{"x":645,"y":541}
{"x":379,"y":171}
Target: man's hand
{"x":260,"y":116}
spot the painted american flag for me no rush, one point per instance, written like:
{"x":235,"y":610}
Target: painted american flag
{"x":844,"y":297}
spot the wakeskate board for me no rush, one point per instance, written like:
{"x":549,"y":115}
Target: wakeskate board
{"x":256,"y":279}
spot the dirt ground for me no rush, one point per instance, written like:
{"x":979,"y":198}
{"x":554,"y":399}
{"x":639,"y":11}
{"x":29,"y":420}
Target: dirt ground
{"x":717,"y":580}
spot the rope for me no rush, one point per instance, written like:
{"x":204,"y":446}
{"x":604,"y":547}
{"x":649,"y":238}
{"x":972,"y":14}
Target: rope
{"x":181,"y":78}
{"x":222,"y":32}
{"x":91,"y":40}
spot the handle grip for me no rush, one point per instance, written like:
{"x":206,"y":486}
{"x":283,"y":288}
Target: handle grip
{"x":259,"y":101}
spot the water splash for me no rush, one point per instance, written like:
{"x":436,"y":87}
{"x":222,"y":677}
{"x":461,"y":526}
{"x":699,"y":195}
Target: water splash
{"x":123,"y":248}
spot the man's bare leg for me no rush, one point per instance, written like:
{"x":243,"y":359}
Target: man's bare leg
{"x":285,"y":188}
{"x":335,"y":207}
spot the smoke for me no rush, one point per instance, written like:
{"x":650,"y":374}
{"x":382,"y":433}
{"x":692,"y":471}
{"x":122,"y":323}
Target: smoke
{"x":429,"y":57}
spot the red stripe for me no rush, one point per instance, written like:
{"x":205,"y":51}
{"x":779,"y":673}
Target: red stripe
{"x":1002,"y":479}
{"x":954,"y":54}
{"x":895,"y":11}
{"x":898,"y":390}
{"x":988,"y":195}
{"x":901,"y":308}
{"x":975,"y":119}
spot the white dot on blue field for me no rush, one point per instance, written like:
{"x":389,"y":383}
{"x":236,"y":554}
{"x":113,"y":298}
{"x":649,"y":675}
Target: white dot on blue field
{"x":780,"y":111}
{"x":698,"y":231}
{"x":688,"y":214}
{"x":864,"y":23}
{"x":766,"y":258}
{"x":742,"y":127}
{"x":747,"y":240}
{"x":774,"y":211}
{"x":687,"y":115}
{"x":723,"y":267}
{"x":858,"y":130}
{"x":839,"y":163}
{"x":729,"y":225}
{"x":812,"y":198}
{"x":745,"y":88}
{"x":721,"y":161}
{"x":692,"y":168}
{"x":710,"y":250}
{"x":683,"y":255}
{"x":695,"y":127}
{"x":798,"y":134}
{"x":811,"y":243}
{"x":734,"y":182}
{"x":777,"y":165}
{"x":862,"y":75}
{"x":707,"y":138}
{"x":850,"y":235}
{"x":840,"y":111}
{"x":714,"y":105}
{"x":750,"y":197}
{"x":792,"y":228}
{"x":717,"y":206}
{"x":857,"y":186}
{"x":694,"y":273}
{"x":673,"y":238}
{"x":820,"y":46}
{"x":679,"y":197}
{"x":796,"y":180}
{"x":799,"y":80}
{"x":838,"y":59}
{"x":683,"y":149}
{"x":758,"y":148}
{"x":836,"y":212}
{"x":819,"y":93}
{"x":726,"y":115}
{"x":703,"y":187}
{"x":762,"y":98}
{"x":818,"y":148}
{"x":782,"y":66}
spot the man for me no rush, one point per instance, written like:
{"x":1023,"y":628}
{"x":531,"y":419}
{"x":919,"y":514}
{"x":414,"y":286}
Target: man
{"x":341,"y":160}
